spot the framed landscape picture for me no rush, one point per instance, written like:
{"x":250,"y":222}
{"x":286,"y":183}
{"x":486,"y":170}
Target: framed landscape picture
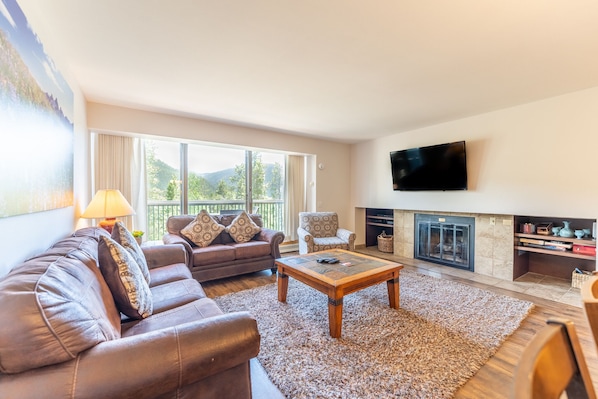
{"x":36,"y":122}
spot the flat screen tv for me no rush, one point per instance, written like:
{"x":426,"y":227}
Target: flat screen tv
{"x":437,"y":167}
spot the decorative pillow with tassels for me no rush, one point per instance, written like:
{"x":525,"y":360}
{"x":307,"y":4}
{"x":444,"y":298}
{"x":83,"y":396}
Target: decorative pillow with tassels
{"x":129,"y":289}
{"x":242,"y":228}
{"x":121,"y":235}
{"x":202,"y":230}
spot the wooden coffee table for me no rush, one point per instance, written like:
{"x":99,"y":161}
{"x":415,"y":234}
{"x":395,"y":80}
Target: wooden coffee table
{"x":353,"y":273}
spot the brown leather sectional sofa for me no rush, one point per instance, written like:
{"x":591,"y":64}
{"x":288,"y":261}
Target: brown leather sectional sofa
{"x":224,"y":257}
{"x":61,"y":335}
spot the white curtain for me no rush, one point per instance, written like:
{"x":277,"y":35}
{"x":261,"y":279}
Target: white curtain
{"x":120,"y":164}
{"x":295,"y":195}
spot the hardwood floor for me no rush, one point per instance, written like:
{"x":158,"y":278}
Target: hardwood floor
{"x":495,"y":378}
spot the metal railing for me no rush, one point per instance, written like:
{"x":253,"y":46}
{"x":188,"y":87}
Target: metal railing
{"x":158,"y":212}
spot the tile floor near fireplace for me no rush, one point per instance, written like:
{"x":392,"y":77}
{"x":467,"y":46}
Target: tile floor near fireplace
{"x":538,"y":285}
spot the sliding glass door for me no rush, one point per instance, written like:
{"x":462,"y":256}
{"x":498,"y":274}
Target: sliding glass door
{"x":185,"y":178}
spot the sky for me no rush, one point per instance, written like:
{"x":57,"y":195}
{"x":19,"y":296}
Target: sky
{"x":206,"y":159}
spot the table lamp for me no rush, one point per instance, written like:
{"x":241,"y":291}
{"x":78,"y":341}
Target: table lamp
{"x":108,"y":205}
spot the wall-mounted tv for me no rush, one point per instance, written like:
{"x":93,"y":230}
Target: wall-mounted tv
{"x":437,"y":167}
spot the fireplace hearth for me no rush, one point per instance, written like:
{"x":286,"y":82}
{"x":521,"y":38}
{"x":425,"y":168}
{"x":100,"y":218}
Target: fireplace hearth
{"x":447,"y":240}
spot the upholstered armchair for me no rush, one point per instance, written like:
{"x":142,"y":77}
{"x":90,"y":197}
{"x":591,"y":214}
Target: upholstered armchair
{"x":319,"y":231}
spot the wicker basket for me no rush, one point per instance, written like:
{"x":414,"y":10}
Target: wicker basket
{"x":577,"y":279}
{"x":385,"y":243}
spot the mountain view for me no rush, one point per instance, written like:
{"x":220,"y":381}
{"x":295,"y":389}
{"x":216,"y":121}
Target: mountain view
{"x":223,"y":184}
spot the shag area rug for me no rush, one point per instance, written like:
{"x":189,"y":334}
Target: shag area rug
{"x":442,"y":334}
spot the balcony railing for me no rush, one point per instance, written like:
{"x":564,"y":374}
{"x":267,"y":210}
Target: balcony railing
{"x":158,"y":212}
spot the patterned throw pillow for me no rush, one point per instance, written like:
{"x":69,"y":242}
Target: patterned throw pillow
{"x":131,"y":292}
{"x":121,"y":235}
{"x":202,"y":230}
{"x":242,"y":228}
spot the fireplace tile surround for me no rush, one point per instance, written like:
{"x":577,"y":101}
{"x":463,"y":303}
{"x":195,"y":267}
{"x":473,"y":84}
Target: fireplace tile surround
{"x":493,"y":241}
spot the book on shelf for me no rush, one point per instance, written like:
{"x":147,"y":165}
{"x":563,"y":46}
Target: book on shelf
{"x":531,"y":241}
{"x":554,"y":247}
{"x":529,"y":244}
{"x":544,"y":246}
{"x":566,"y":245}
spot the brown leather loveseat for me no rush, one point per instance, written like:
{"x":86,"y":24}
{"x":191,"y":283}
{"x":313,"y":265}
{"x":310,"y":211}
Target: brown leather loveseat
{"x":224,"y":257}
{"x":62,"y":334}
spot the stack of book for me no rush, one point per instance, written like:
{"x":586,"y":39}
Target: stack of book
{"x":546,"y":244}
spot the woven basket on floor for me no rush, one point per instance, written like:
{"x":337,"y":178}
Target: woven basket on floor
{"x":385,"y":243}
{"x":577,"y":279}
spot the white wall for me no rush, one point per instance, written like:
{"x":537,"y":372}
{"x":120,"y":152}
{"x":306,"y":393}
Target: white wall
{"x":26,"y":235}
{"x":535,"y":159}
{"x":331,"y":184}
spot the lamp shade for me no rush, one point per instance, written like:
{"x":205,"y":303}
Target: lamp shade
{"x":108,"y":204}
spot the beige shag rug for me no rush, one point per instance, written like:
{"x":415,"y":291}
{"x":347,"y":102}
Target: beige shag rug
{"x":439,"y":338}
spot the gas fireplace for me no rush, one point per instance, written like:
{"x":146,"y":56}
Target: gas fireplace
{"x":447,"y":240}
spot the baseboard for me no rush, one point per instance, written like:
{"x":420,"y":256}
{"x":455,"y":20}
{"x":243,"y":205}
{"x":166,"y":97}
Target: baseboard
{"x":290,"y":247}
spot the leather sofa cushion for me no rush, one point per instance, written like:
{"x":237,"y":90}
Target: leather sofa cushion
{"x":177,"y":293}
{"x":91,"y":232}
{"x":66,"y":245}
{"x":192,"y":311}
{"x":53,"y":308}
{"x":167,"y":274}
{"x":213,"y":254}
{"x":251,"y":249}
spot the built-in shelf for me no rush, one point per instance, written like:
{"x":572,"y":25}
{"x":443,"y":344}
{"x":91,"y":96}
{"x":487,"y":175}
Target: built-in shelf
{"x":544,"y":260}
{"x":568,"y":253}
{"x":377,"y":221}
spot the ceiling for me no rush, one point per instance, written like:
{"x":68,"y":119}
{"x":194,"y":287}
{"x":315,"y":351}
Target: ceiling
{"x":344,"y":70}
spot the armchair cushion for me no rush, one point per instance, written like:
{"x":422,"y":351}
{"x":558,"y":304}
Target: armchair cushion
{"x":319,"y":224}
{"x":202,"y":230}
{"x":319,"y":231}
{"x":242,"y":228}
{"x":122,"y":274}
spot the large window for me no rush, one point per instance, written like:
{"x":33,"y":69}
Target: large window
{"x":185,"y":178}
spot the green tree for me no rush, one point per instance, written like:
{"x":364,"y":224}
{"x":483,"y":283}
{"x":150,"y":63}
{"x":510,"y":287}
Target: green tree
{"x":275,"y":182}
{"x":223,"y":191}
{"x":199,"y":188}
{"x":173,"y":190}
{"x":238,"y":182}
{"x":258,"y":177}
{"x":152,"y":171}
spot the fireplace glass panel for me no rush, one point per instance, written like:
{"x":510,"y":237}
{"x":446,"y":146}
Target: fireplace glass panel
{"x":447,"y":243}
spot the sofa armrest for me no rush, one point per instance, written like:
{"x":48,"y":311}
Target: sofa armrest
{"x":304,"y":235}
{"x":164,"y":255}
{"x":274,"y":237}
{"x":347,"y":236}
{"x":145,"y":365}
{"x":306,"y":241}
{"x":170,"y":238}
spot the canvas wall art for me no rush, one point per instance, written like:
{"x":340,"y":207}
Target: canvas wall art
{"x":36,"y":122}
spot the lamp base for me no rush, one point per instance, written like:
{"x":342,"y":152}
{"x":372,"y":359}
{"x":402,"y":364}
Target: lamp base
{"x":108,"y":224}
